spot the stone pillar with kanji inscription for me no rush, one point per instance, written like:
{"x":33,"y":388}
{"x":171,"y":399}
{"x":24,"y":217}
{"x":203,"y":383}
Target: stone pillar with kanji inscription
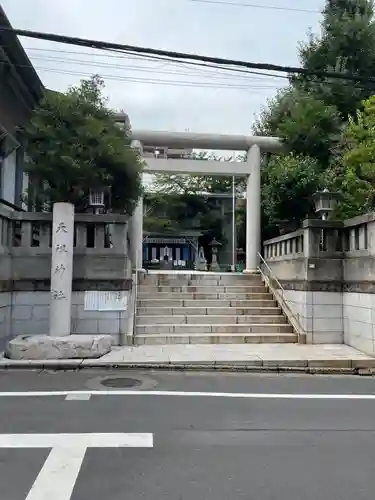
{"x":61,"y":269}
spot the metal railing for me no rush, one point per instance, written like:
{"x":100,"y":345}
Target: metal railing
{"x":135,"y":298}
{"x":279,"y":293}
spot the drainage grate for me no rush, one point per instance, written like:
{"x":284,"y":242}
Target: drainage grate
{"x":121,"y":382}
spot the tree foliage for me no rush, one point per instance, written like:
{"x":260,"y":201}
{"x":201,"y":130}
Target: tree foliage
{"x":74,"y":145}
{"x":312,"y":112}
{"x":186,"y":202}
{"x":346,"y":44}
{"x":354,"y":173}
{"x":175,"y":212}
{"x":288,"y":183}
{"x":311,"y":128}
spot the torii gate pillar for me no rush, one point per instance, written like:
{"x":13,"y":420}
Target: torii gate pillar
{"x":253,"y":210}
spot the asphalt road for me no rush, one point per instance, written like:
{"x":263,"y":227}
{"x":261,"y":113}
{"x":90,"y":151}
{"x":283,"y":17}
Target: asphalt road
{"x":262,"y":447}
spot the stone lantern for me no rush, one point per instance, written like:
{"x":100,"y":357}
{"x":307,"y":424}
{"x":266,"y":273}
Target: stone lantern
{"x":325,"y":202}
{"x":214,"y":245}
{"x":201,"y":264}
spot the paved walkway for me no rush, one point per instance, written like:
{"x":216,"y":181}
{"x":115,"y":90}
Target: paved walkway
{"x":266,"y":356}
{"x":255,"y":354}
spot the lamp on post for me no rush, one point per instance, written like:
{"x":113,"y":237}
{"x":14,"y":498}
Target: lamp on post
{"x":96,"y":199}
{"x":325,"y":202}
{"x":214,"y":245}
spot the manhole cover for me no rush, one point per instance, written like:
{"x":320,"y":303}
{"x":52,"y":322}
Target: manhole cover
{"x":121,"y":382}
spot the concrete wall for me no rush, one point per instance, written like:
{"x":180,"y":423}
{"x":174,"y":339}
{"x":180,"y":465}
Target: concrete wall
{"x":30,"y":316}
{"x":329,"y":279}
{"x":320,"y":314}
{"x":359,"y":321}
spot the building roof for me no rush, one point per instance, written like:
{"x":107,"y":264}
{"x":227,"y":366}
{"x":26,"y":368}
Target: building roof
{"x":11,"y":51}
{"x":172,"y":234}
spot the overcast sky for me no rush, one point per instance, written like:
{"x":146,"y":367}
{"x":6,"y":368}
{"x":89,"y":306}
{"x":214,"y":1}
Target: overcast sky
{"x":159,"y":95}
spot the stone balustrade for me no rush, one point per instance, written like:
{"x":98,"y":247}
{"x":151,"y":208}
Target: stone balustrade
{"x":101,"y":248}
{"x":101,"y":262}
{"x":327,"y":271}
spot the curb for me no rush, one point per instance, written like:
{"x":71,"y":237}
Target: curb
{"x":343,"y":367}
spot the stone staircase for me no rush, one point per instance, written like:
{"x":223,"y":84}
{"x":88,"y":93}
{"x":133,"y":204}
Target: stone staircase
{"x":208,"y":308}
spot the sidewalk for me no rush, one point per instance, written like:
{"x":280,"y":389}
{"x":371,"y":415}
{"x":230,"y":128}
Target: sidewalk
{"x":251,"y":357}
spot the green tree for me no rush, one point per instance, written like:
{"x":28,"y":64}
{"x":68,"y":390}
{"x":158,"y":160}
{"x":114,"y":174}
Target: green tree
{"x":311,"y":113}
{"x":74,"y":145}
{"x":176,"y":211}
{"x":354,"y":174}
{"x":311,"y":127}
{"x":346,"y":44}
{"x":305,"y":123}
{"x":288,"y":183}
{"x":274,"y":112}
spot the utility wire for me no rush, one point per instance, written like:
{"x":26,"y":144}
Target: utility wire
{"x":158,"y":81}
{"x":184,"y":56}
{"x":193,"y":63}
{"x":143,"y":57}
{"x":256,"y":6}
{"x":141,"y":69}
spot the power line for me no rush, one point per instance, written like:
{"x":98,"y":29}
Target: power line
{"x":142,"y":57}
{"x":141,"y":69}
{"x":194,"y":63}
{"x":256,"y":6}
{"x":157,"y":81}
{"x":184,"y":56}
{"x":173,"y":83}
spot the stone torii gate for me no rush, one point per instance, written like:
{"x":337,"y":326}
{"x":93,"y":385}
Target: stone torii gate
{"x":253,"y":145}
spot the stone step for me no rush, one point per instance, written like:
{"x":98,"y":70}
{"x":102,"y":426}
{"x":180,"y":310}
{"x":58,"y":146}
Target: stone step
{"x":234,"y":338}
{"x":205,"y":296}
{"x":210,"y":279}
{"x":157,"y":303}
{"x":201,"y":289}
{"x":167,"y":329}
{"x":210,"y":311}
{"x":257,"y":282}
{"x":209,"y":320}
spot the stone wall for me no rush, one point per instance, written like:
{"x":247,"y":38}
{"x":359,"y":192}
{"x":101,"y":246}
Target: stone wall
{"x":30,"y":316}
{"x":327,"y":272}
{"x":100,"y":263}
{"x":319,"y":314}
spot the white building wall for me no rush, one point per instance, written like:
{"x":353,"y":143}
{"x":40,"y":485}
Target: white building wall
{"x":8,"y":173}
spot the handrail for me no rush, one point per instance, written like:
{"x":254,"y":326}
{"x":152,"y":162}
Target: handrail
{"x":135,"y":298}
{"x":293,"y":318}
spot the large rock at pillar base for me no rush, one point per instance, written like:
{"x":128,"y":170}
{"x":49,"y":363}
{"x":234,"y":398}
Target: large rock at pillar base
{"x":70,"y":347}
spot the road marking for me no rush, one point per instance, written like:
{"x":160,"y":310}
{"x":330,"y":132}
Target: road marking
{"x":58,"y":475}
{"x":95,"y":440}
{"x":78,"y":397}
{"x":234,"y":395}
{"x":60,"y":470}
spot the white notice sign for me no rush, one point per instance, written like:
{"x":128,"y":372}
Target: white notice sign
{"x":106,"y":301}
